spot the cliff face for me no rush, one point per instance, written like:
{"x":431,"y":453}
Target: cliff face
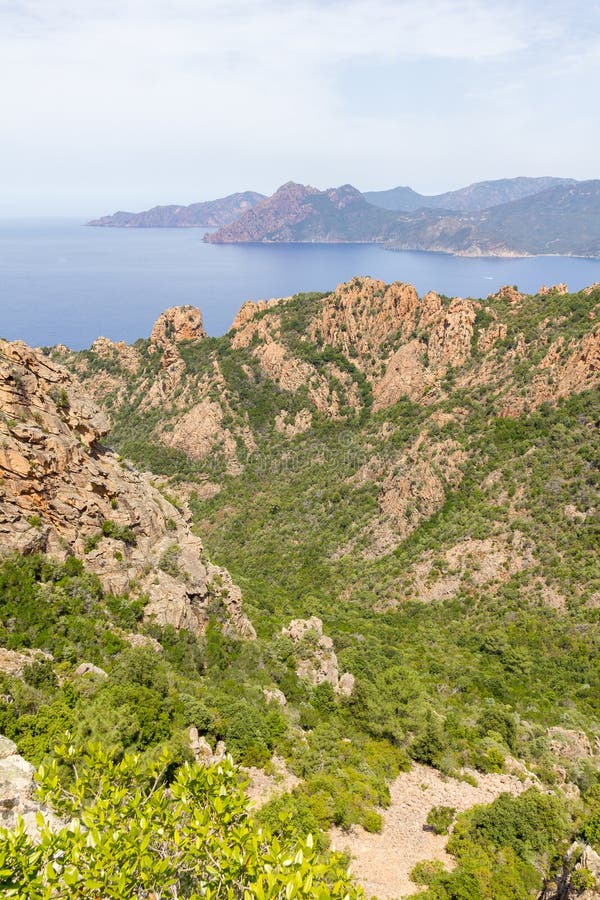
{"x":62,"y":492}
{"x":374,"y":318}
{"x":212,"y":213}
{"x":176,"y":324}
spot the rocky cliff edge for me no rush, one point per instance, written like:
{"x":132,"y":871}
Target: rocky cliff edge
{"x":63,"y":493}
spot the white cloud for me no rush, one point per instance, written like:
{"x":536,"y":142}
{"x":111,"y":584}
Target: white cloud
{"x":142,"y":98}
{"x":456,"y":29}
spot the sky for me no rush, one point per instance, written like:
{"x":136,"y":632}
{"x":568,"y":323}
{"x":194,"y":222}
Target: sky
{"x":125,"y":104}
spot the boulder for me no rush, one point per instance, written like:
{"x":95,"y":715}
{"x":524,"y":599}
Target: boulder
{"x":274,"y":695}
{"x":178,"y":323}
{"x":17,"y":789}
{"x":316,"y":658}
{"x":87,"y":668}
{"x":203,"y":753}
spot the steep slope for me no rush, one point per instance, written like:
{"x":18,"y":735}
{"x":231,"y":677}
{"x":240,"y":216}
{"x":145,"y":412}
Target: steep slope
{"x":298,"y":212}
{"x":563,"y":219}
{"x":413,"y":481}
{"x":362,"y":365}
{"x":210,"y":213}
{"x":472,"y":198}
{"x":64,"y":493}
{"x":420,"y":474}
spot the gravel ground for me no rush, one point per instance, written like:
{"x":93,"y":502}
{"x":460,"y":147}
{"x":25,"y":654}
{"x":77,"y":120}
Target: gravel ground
{"x":382,"y":862}
{"x":262,"y":788}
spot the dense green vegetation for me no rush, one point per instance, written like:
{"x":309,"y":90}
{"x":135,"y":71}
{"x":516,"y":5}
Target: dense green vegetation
{"x":148,"y":699}
{"x":456,"y":662}
{"x":500,"y":850}
{"x":138,"y":829}
{"x":347,"y":752}
{"x":474,"y":678}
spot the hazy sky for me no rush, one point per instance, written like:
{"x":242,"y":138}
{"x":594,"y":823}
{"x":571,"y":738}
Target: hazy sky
{"x":122,"y":104}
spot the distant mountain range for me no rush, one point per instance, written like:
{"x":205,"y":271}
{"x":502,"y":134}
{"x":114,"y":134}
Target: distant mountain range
{"x":210,"y":214}
{"x":562,"y":219}
{"x":509,"y":217}
{"x":472,"y":198}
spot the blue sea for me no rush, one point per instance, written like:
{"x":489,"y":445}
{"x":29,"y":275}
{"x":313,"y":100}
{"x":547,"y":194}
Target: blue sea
{"x":63,"y":282}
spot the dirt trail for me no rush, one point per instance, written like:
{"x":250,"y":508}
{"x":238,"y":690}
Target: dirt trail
{"x":382,"y":862}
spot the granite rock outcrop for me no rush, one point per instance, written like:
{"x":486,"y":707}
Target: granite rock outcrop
{"x":17,"y":793}
{"x":62,"y":492}
{"x":316,"y":658}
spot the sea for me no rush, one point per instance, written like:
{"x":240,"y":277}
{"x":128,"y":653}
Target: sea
{"x":64,"y":282}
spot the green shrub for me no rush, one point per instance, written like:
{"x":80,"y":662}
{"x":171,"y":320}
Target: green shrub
{"x":91,"y":542}
{"x":123,"y":533}
{"x":583,"y":880}
{"x":531,"y":823}
{"x":372,"y":821}
{"x":324,"y":697}
{"x":427,"y":872}
{"x":591,"y":831}
{"x":501,"y":721}
{"x":190,"y":835}
{"x":40,"y":674}
{"x":430,"y":746}
{"x":440,"y":818}
{"x":169,"y":561}
{"x":490,"y":761}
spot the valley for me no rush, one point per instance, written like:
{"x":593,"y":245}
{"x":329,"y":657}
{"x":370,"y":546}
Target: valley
{"x":357,"y":534}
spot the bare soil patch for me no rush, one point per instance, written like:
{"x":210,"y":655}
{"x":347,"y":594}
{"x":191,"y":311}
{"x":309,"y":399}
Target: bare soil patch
{"x":382,"y":862}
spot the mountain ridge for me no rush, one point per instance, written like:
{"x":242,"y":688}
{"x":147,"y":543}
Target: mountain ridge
{"x":301,"y":213}
{"x":503,"y":218}
{"x":561,"y":219}
{"x":472,"y":198}
{"x":413,"y":481}
{"x":209,"y":213}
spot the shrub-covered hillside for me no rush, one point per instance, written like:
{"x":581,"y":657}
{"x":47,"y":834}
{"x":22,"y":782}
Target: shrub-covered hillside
{"x":421,"y":474}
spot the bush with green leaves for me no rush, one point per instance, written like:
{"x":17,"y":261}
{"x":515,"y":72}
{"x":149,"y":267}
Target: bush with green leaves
{"x":427,"y":871}
{"x":40,"y":674}
{"x":489,"y":760}
{"x":137,"y":831}
{"x":583,"y":880}
{"x":118,"y":532}
{"x":591,"y":830}
{"x":440,"y":818}
{"x":503,"y":850}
